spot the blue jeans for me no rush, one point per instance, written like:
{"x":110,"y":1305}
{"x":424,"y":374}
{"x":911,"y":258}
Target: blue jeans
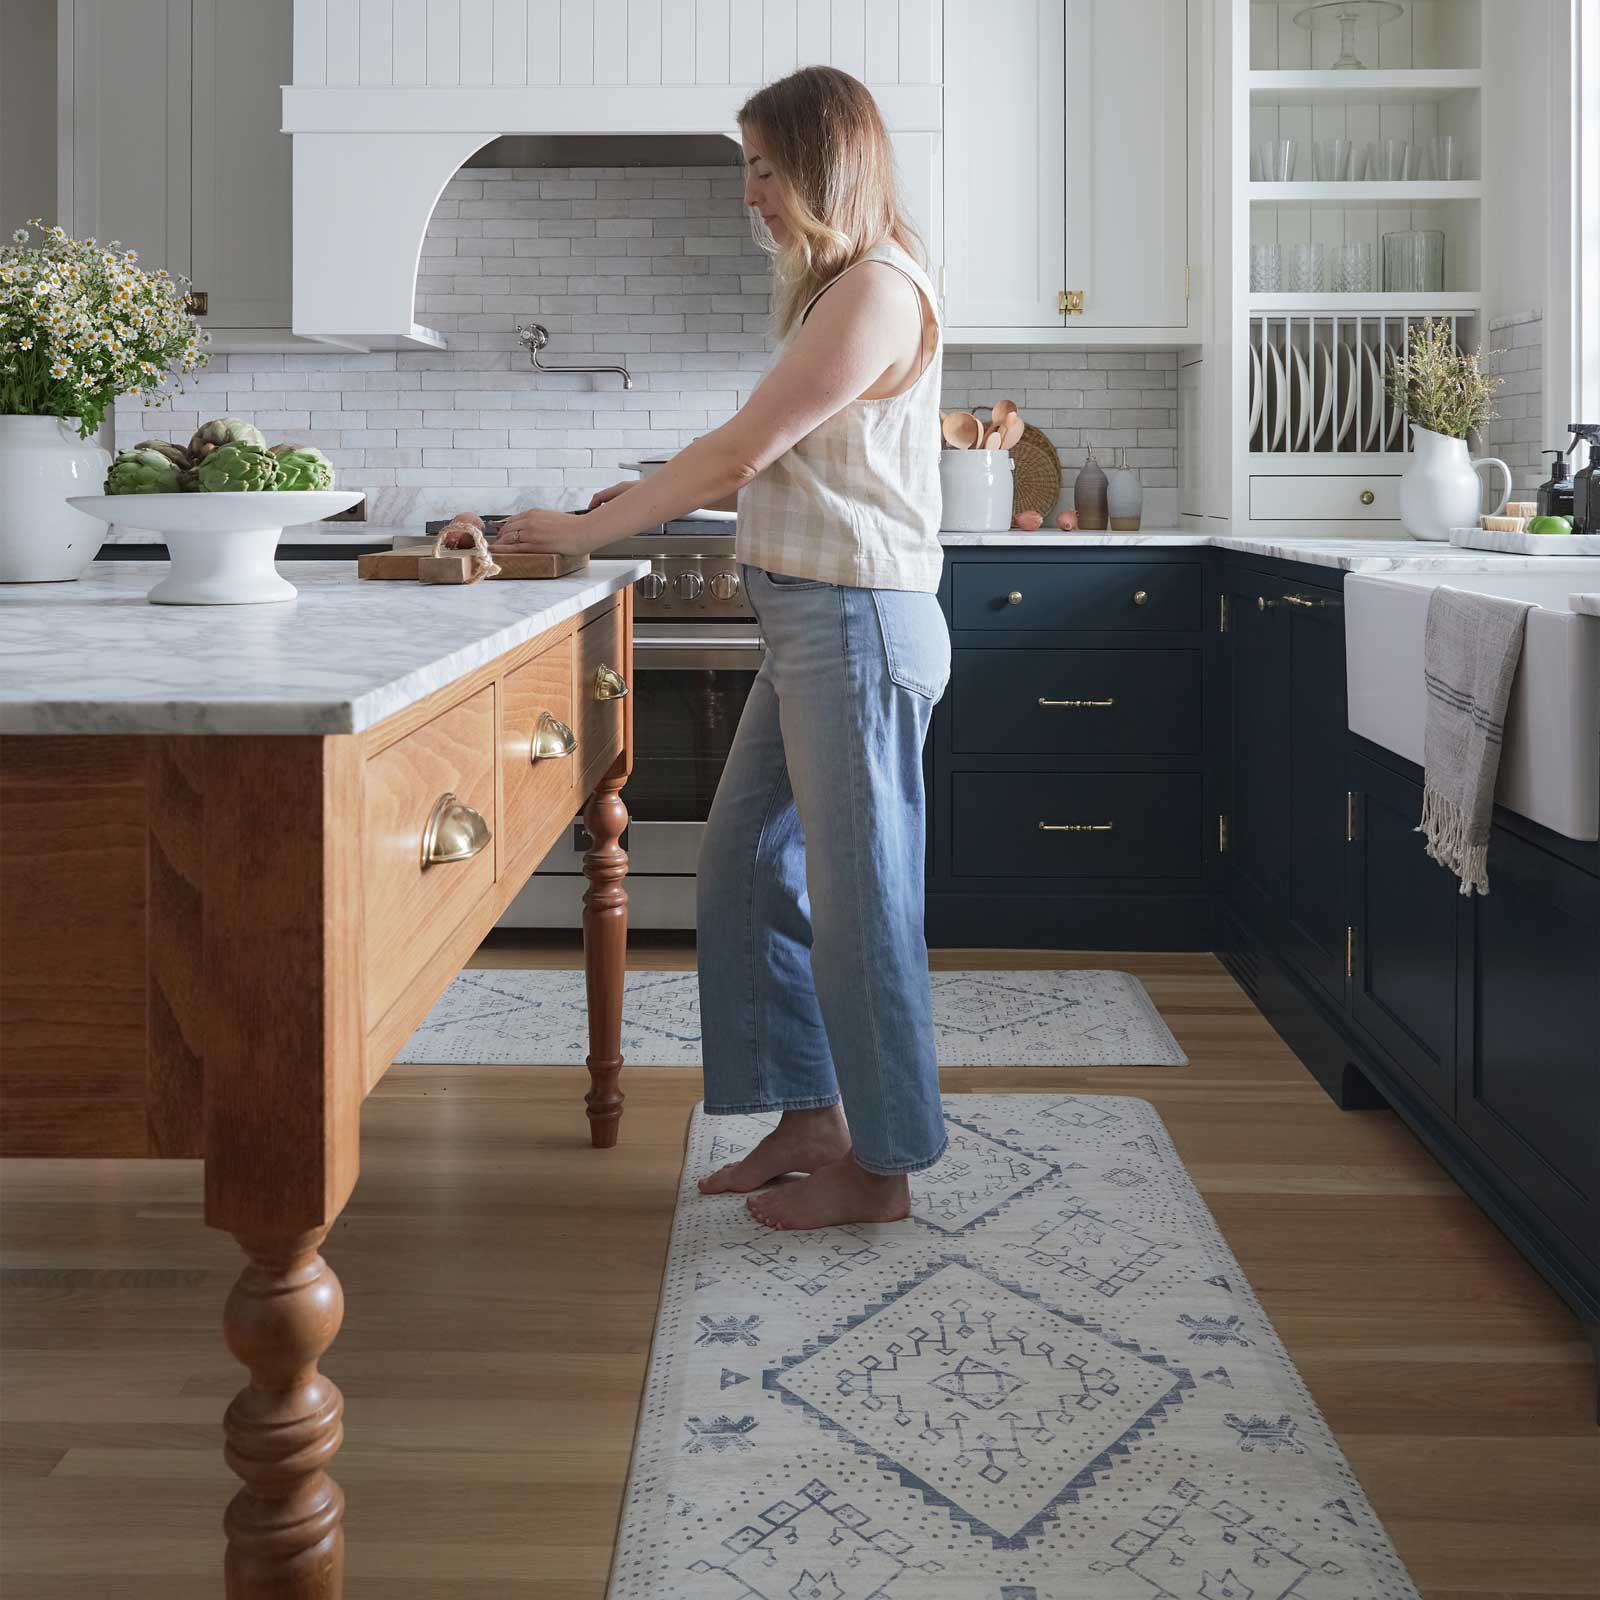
{"x":813,"y":966}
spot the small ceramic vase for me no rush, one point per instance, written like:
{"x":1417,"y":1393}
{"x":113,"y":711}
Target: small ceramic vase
{"x":1089,"y":496}
{"x":1124,"y":495}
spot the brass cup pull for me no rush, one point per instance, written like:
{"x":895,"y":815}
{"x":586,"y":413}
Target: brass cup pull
{"x":1076,"y":705}
{"x":552,"y":738}
{"x":1140,"y":596}
{"x":1014,"y":598}
{"x":609,"y":684}
{"x":1367,"y":497}
{"x":453,"y":832}
{"x":1076,"y":827}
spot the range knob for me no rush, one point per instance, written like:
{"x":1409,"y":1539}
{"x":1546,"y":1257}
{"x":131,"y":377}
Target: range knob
{"x":690,"y":586}
{"x":725,"y":585}
{"x":651,"y":586}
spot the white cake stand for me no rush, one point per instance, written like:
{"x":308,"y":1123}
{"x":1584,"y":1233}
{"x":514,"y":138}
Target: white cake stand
{"x":222,"y":545}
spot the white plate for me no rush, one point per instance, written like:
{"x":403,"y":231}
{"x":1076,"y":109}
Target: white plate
{"x":1394,"y":417}
{"x":1257,"y":383}
{"x":1322,"y":399}
{"x":1299,"y":400}
{"x":1277,"y":399}
{"x":1372,"y":399}
{"x":1350,"y":381}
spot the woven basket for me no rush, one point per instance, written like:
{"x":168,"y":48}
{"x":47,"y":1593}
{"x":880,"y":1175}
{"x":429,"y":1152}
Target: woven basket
{"x":1037,"y":486}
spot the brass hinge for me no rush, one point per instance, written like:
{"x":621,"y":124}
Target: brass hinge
{"x":198,"y":302}
{"x":1222,"y":833}
{"x":1222,"y":613}
{"x":1349,"y":815}
{"x":1349,"y":952}
{"x":1069,"y":302}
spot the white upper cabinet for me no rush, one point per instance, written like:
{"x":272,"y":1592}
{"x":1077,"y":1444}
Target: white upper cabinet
{"x":1066,"y":171}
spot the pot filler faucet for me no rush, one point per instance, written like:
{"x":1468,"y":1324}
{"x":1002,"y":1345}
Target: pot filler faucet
{"x":535,"y":336}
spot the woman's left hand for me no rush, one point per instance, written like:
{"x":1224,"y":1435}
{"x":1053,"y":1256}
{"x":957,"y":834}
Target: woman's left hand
{"x":556,"y":532}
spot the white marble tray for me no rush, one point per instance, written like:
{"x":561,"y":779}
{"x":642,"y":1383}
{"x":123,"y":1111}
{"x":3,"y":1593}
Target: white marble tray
{"x":1526,"y":544}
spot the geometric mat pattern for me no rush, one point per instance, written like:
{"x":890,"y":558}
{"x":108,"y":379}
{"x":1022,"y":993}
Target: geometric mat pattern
{"x":1051,"y":1382}
{"x":981,"y":1019}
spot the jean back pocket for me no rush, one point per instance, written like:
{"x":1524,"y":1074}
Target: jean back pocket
{"x":916,"y":642}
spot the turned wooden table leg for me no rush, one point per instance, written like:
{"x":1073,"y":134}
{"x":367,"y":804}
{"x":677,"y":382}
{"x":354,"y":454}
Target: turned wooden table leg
{"x":284,"y":1527}
{"x":605,"y":953}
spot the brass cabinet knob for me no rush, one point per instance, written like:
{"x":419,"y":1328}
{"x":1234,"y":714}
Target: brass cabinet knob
{"x":1262,"y":602}
{"x":552,"y":738}
{"x":1367,"y":497}
{"x":1140,"y":597}
{"x":1014,"y":598}
{"x":453,"y":832}
{"x":609,"y":684}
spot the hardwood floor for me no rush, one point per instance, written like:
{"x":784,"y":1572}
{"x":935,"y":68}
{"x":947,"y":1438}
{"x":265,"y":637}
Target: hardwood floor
{"x":501,"y":1282}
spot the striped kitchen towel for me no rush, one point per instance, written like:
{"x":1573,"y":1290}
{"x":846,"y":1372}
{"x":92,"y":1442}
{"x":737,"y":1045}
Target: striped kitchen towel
{"x":1469,"y":658}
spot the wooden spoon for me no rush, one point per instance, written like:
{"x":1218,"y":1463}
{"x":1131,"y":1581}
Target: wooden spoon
{"x":961,"y":430}
{"x":1011,"y":433}
{"x":1002,"y":409}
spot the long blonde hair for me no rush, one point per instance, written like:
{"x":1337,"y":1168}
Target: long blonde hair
{"x":834,"y":175}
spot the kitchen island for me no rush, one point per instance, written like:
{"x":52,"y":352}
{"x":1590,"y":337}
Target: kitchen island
{"x":244,"y":850}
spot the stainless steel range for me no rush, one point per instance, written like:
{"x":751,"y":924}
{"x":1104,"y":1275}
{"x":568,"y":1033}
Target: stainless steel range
{"x":696,"y":649}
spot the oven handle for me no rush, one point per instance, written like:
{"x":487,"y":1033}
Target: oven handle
{"x":694,"y":655}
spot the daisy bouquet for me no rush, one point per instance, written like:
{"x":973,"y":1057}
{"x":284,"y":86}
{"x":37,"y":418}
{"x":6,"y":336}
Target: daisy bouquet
{"x":81,"y":323}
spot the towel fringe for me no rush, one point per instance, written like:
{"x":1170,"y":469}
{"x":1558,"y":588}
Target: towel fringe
{"x":1446,"y":829}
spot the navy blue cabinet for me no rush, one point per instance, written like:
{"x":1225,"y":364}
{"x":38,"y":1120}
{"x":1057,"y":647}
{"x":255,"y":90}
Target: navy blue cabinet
{"x":1258,"y":815}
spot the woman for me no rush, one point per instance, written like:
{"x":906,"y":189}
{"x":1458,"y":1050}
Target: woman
{"x":813,"y":970}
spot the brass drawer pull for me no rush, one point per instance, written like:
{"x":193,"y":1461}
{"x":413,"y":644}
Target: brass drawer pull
{"x":1076,"y":827}
{"x":453,"y":832}
{"x":1367,"y":497}
{"x":1076,"y":705}
{"x":1300,"y":600}
{"x":609,"y":684}
{"x":1014,"y":598}
{"x":1140,"y":596}
{"x":552,"y":738}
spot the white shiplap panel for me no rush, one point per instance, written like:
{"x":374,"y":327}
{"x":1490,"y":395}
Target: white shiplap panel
{"x":411,"y":41}
{"x":544,"y":41}
{"x":377,"y":41}
{"x":444,"y":41}
{"x":644,"y":41}
{"x":921,"y":41}
{"x":849,"y":51}
{"x":813,"y":34}
{"x":883,"y":42}
{"x":577,"y":41}
{"x":677,"y":41}
{"x":744,"y":42}
{"x":344,"y":41}
{"x":711,"y":40}
{"x":777,"y":39}
{"x":310,"y":41}
{"x":510,"y":41}
{"x":610,"y":41}
{"x":477,"y":41}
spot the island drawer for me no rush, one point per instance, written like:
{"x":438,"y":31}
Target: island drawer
{"x":1077,"y":825}
{"x":411,"y":906}
{"x":1060,"y":596}
{"x":1076,"y":702}
{"x":538,"y":786}
{"x":602,"y":658}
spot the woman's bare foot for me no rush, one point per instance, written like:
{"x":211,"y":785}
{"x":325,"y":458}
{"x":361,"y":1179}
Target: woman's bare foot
{"x":842,"y":1191}
{"x":802,"y":1142}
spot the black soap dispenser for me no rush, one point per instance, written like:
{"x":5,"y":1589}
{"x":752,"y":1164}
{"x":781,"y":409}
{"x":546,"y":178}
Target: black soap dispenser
{"x":1555,"y":493}
{"x":1586,"y":484}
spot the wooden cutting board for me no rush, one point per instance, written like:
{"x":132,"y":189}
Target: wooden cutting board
{"x":403,"y":565}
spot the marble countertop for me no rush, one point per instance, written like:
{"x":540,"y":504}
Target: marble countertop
{"x":1355,"y":553}
{"x":96,"y":657}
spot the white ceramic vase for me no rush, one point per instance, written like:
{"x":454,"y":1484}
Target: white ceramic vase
{"x":1440,"y":490}
{"x":42,"y":538}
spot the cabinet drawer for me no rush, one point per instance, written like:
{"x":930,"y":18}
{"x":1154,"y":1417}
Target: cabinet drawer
{"x":1101,"y":596}
{"x":1325,"y":499}
{"x":411,"y":908}
{"x":1155,"y":825}
{"x":1076,"y":702}
{"x":536,"y":792}
{"x":600,"y":646}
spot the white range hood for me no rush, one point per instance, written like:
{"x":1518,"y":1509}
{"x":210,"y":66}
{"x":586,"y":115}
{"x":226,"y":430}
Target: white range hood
{"x":391,"y":97}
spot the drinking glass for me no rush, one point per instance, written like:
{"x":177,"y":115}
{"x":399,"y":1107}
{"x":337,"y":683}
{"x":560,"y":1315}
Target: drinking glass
{"x":1307,"y":269}
{"x":1353,"y":269}
{"x":1266,"y":268}
{"x":1413,"y":262}
{"x":1444,"y":158}
{"x":1389,"y":160}
{"x":1277,"y":160}
{"x":1333,"y":157}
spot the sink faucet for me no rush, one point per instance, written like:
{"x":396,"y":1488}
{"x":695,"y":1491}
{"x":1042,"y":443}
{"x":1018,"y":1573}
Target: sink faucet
{"x":535,"y":336}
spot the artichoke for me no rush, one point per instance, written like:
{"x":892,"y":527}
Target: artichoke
{"x":142,"y":471}
{"x":175,"y":453}
{"x":301,"y":467}
{"x":213,"y":435}
{"x":238,"y":467}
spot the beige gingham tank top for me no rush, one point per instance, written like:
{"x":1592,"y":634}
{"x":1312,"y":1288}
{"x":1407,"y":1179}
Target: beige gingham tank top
{"x":857,"y":501}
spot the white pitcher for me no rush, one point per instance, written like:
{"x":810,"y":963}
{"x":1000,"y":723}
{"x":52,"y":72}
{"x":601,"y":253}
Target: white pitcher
{"x":1440,"y":488}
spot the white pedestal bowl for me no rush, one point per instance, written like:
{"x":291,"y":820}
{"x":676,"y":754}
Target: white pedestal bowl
{"x":222,"y":545}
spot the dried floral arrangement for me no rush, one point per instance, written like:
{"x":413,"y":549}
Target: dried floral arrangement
{"x":1439,"y":387}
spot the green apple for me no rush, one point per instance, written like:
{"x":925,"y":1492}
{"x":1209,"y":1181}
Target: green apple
{"x":1551,"y":525}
